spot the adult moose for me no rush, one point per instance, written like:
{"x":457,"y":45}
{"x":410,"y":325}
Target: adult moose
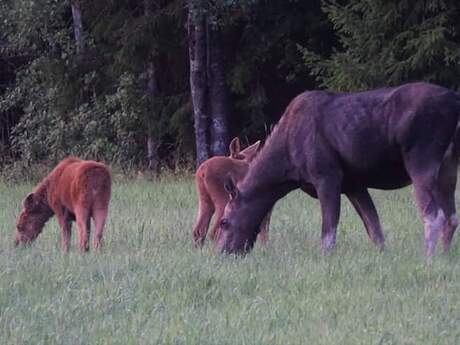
{"x":75,"y":190}
{"x":332,"y":143}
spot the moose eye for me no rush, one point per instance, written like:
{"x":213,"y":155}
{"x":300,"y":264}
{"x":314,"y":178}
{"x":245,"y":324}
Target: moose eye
{"x":224,"y":223}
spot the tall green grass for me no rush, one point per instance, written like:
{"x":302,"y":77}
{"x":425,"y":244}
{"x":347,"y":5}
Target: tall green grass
{"x":149,"y":286}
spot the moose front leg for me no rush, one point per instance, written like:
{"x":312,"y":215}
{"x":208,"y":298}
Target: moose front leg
{"x":329,"y":197}
{"x":65,"y":223}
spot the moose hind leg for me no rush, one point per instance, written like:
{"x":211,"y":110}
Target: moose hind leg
{"x":448,"y":231}
{"x":84,"y":227}
{"x":215,"y":231}
{"x":362,"y":202}
{"x":434,"y":223}
{"x":200,"y":230}
{"x":66,"y":231}
{"x":434,"y":219}
{"x":425,"y":165}
{"x":447,"y":182}
{"x":99,"y":216}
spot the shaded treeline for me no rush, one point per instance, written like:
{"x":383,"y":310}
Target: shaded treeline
{"x":160,"y":82}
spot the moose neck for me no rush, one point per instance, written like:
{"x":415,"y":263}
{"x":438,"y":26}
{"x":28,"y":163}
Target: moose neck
{"x":271,"y":175}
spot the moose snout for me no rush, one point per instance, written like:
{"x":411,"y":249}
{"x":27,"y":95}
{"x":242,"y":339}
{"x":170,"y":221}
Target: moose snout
{"x":20,"y":239}
{"x":237,"y":245}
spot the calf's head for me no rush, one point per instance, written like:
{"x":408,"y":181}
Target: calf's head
{"x":33,"y":216}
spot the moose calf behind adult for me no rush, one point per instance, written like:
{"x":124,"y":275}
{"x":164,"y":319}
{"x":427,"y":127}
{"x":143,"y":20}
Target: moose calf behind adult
{"x":210,"y":178}
{"x":75,"y":190}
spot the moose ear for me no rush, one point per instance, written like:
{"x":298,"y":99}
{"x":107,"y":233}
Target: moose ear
{"x":250,"y":152}
{"x":235,"y":147}
{"x":231,"y":188}
{"x":30,"y":201}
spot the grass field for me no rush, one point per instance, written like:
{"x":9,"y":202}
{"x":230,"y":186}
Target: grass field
{"x":149,"y":286}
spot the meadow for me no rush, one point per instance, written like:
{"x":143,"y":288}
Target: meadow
{"x":148,"y":285}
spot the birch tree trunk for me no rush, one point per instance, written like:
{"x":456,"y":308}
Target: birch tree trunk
{"x":152,"y":145}
{"x":77,"y":26}
{"x":217,"y":94}
{"x":198,"y":79}
{"x":152,"y":92}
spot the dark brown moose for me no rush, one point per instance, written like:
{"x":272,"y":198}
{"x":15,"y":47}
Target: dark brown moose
{"x":332,"y":143}
{"x":210,"y":178}
{"x":74,"y":190}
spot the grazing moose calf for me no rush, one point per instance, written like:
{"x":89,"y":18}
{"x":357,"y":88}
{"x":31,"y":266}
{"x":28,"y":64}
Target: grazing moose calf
{"x":74,"y":190}
{"x":210,"y":178}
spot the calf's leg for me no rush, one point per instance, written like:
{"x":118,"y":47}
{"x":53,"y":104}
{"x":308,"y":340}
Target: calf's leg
{"x":99,"y":217}
{"x":82,"y":217}
{"x":215,"y":231}
{"x":65,"y":223}
{"x":200,"y":230}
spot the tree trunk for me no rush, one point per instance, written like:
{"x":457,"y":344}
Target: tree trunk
{"x":152,"y":92}
{"x":218,"y":94}
{"x":152,"y":152}
{"x":77,"y":26}
{"x":198,"y":80}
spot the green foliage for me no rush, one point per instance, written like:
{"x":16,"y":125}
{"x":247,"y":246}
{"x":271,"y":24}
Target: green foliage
{"x":94,"y":105}
{"x":268,"y":69}
{"x":389,"y":43}
{"x":35,"y":27}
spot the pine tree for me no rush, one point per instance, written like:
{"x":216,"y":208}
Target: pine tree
{"x":390,"y":42}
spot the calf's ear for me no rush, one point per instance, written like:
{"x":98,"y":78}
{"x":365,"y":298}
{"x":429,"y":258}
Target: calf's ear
{"x":250,"y":152}
{"x":231,"y":188}
{"x":234,"y":147}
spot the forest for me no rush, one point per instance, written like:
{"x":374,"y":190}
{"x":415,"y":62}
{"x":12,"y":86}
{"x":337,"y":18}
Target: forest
{"x":160,"y":84}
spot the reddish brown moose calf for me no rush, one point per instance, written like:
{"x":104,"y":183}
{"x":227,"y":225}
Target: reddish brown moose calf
{"x":210,"y":178}
{"x":75,"y":190}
